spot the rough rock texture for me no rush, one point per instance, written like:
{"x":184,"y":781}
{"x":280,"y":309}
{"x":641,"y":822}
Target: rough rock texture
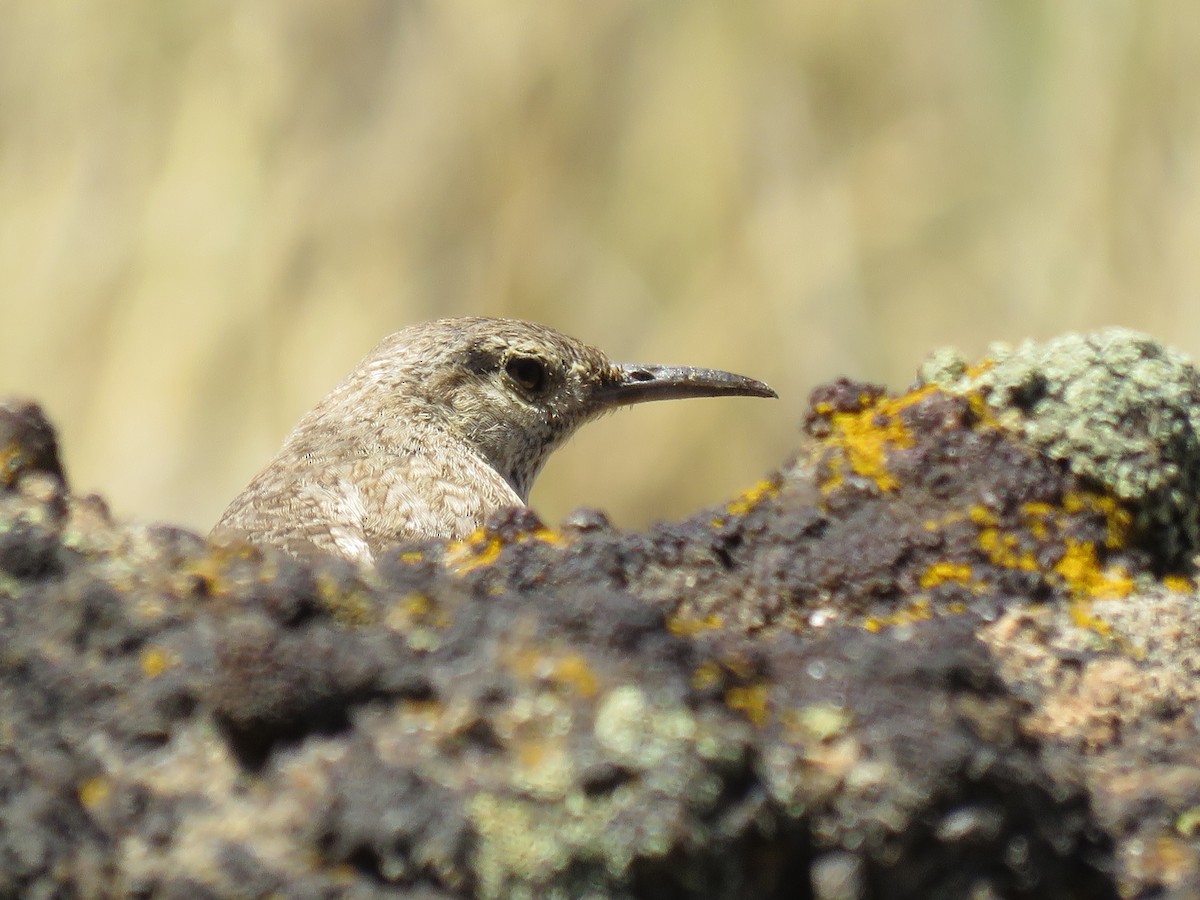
{"x":950,"y":650}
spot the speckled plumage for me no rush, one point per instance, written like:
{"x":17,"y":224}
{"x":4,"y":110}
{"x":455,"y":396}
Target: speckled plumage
{"x":440,"y":425}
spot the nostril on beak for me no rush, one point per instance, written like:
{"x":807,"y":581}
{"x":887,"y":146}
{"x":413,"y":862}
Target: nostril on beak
{"x":641,"y":375}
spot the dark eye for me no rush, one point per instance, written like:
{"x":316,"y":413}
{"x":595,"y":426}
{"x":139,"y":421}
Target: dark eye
{"x":529,"y":373}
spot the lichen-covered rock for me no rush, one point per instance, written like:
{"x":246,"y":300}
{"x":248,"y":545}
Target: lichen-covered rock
{"x":934,"y":656}
{"x":1116,"y":407}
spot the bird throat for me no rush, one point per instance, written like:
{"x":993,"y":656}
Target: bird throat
{"x":521,"y":463}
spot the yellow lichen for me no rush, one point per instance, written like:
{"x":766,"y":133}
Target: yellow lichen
{"x":546,"y":536}
{"x":821,"y":721}
{"x":979,"y":369}
{"x":981,"y":515}
{"x":1036,"y":509}
{"x":1118,"y":519}
{"x":12,"y":461}
{"x":750,"y":498}
{"x":482,"y":548}
{"x":573,"y":672}
{"x":570,"y":672}
{"x":1002,"y":550}
{"x":416,"y":605}
{"x":707,"y":675}
{"x":1180,"y":584}
{"x":155,"y":661}
{"x":478,"y":550}
{"x":424,"y":713}
{"x":948,"y":518}
{"x":94,"y":791}
{"x":943,"y":572}
{"x":1083,"y":617}
{"x":1037,"y":517}
{"x":982,"y":412}
{"x":1080,"y":568}
{"x":738,"y":665}
{"x":861,"y":440}
{"x":753,"y":700}
{"x":917,"y":611}
{"x":414,"y":610}
{"x":688,"y":626}
{"x":351,"y":607}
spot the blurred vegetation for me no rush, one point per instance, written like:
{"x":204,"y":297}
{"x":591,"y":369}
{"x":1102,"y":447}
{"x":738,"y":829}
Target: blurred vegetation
{"x":210,"y":210}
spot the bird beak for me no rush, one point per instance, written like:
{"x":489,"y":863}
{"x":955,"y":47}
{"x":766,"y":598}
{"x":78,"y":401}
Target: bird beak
{"x":639,"y":384}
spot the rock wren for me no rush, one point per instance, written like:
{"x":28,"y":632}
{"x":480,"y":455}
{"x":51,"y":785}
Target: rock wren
{"x":440,"y":425}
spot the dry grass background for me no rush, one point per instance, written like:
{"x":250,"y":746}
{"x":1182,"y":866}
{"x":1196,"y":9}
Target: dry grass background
{"x":210,"y":210}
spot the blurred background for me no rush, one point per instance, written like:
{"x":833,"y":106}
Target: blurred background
{"x":211,"y":210}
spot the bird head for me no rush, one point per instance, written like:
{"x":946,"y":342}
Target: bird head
{"x":513,"y":391}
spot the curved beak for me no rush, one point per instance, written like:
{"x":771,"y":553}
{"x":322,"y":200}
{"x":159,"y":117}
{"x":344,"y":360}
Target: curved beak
{"x":642,"y":383}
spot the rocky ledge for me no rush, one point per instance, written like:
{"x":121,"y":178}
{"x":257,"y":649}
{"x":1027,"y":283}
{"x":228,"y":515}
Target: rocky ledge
{"x":949,"y":650}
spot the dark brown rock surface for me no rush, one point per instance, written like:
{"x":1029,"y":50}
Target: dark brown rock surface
{"x":947,"y":651}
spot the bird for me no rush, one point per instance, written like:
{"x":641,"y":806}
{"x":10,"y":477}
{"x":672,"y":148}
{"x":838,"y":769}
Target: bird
{"x":442,"y":424}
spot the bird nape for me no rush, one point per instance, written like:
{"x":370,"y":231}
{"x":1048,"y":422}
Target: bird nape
{"x":439,"y":426}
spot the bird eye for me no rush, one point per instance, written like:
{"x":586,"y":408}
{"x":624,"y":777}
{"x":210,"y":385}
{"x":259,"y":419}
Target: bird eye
{"x":529,"y":373}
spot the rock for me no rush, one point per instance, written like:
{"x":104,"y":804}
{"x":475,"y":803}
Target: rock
{"x":937,"y":654}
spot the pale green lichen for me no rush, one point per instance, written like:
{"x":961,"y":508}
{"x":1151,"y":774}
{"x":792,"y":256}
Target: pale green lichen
{"x":585,"y":845}
{"x":1116,"y":406}
{"x":635,"y":733}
